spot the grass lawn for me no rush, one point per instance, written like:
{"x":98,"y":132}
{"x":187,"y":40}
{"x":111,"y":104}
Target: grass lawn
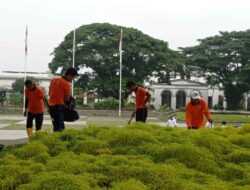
{"x":234,"y":118}
{"x":137,"y":157}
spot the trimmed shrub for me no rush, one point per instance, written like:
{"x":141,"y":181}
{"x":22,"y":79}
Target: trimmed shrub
{"x":214,"y":143}
{"x":241,"y":140}
{"x":58,"y":181}
{"x":31,"y":150}
{"x":233,"y":172}
{"x":109,"y":103}
{"x":55,"y":145}
{"x":126,"y":137}
{"x":136,"y":157}
{"x":129,"y":184}
{"x":244,"y":130}
{"x":190,"y":155}
{"x":11,"y":176}
{"x":67,"y":162}
{"x":239,"y":156}
{"x":91,"y":147}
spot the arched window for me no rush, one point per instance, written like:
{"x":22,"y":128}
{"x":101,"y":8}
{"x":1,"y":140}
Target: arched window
{"x":248,"y":104}
{"x":210,"y":102}
{"x":166,"y":98}
{"x":180,"y":99}
{"x":220,"y":101}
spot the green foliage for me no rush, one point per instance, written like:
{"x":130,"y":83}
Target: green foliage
{"x":136,"y":157}
{"x":31,"y":150}
{"x":233,"y":172}
{"x":109,"y":103}
{"x":218,"y":107}
{"x":18,"y":85}
{"x":191,"y":156}
{"x":54,"y":144}
{"x":239,"y":156}
{"x":3,"y":97}
{"x":16,"y":99}
{"x":91,"y":147}
{"x":129,"y":105}
{"x":241,"y":140}
{"x":130,"y":184}
{"x":218,"y":117}
{"x":57,"y":180}
{"x":224,"y":59}
{"x":97,"y":48}
{"x":214,"y":143}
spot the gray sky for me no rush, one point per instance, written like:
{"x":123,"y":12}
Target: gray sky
{"x":180,"y":22}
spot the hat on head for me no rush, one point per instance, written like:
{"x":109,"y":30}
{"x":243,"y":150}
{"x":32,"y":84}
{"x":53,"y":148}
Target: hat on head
{"x":195,"y":95}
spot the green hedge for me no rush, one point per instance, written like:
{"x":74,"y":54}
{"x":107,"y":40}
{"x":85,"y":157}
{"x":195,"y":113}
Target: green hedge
{"x":136,"y":157}
{"x":109,"y":103}
{"x":16,"y":99}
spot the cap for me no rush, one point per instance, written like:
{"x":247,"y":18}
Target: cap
{"x":195,"y":95}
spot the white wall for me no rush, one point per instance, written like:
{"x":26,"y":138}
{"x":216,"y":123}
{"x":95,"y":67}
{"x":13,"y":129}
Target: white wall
{"x":158,"y":89}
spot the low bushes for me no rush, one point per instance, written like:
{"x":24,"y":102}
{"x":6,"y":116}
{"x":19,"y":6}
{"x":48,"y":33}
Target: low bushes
{"x":241,"y":140}
{"x":58,"y":181}
{"x":109,"y":103}
{"x":138,"y":157}
{"x":130,"y":184}
{"x":239,"y":156}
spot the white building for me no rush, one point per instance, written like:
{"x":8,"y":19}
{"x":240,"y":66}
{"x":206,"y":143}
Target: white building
{"x":177,"y":95}
{"x":7,"y":78}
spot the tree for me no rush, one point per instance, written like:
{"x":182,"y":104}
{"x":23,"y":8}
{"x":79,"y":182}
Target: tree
{"x":225,"y":61}
{"x":97,"y":50}
{"x":18,"y":85}
{"x":2,"y":96}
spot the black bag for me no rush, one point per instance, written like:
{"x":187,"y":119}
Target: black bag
{"x":70,"y":115}
{"x":71,"y":103}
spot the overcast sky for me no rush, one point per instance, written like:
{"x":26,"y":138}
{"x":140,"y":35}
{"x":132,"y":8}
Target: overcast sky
{"x":180,"y":22}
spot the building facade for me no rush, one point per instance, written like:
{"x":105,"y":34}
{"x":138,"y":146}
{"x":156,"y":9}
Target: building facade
{"x":177,"y":95}
{"x":8,"y":78}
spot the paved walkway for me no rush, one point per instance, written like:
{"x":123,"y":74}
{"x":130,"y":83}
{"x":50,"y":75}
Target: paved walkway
{"x":3,"y":125}
{"x":48,"y":122}
{"x":18,"y":135}
{"x":10,"y":137}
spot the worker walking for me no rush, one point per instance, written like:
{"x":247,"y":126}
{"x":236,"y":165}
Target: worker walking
{"x":34,"y":106}
{"x":59,"y":97}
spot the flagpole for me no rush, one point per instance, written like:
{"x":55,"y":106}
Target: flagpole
{"x":120,"y":89}
{"x":25,"y":64}
{"x":73,"y":57}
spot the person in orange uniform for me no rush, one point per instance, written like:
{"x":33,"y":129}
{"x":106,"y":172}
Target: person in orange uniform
{"x":142,"y":97}
{"x":34,"y":106}
{"x":197,"y":112}
{"x":59,"y":94}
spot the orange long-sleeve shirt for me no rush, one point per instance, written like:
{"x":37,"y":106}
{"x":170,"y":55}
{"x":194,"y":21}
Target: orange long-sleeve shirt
{"x":197,"y":115}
